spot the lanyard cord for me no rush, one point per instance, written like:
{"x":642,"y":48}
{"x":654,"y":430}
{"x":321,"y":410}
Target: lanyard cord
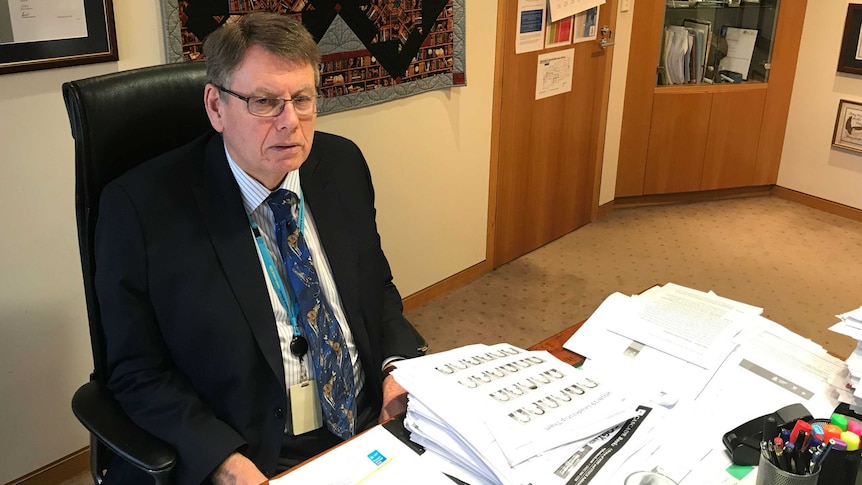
{"x":274,"y":277}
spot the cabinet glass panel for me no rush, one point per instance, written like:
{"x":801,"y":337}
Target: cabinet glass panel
{"x":717,"y":41}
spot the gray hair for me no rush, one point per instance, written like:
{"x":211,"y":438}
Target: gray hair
{"x":280,"y":35}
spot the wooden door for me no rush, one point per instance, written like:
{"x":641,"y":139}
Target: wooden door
{"x":548,"y":151}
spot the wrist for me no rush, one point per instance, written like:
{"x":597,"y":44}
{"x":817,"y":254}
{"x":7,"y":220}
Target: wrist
{"x":388,"y":368}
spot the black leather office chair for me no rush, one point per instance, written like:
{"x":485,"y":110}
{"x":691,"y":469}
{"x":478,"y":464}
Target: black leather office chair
{"x":119,"y":121}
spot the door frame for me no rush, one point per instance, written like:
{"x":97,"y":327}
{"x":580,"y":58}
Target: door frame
{"x":597,"y":136}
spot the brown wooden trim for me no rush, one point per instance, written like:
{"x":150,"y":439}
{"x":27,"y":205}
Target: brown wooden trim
{"x":817,"y":203}
{"x":605,"y":209}
{"x":451,"y":283}
{"x":640,"y":86}
{"x":496,"y":116}
{"x":687,"y":197}
{"x":710,"y":88}
{"x":61,"y":470}
{"x":785,"y":55}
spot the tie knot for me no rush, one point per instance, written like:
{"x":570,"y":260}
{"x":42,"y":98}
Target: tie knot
{"x":283,"y":204}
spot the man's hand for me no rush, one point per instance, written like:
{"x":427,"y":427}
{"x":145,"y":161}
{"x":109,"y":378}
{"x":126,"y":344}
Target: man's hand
{"x":394,"y":399}
{"x":238,"y":470}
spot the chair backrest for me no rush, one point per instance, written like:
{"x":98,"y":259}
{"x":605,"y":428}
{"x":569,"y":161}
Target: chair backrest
{"x":119,"y":121}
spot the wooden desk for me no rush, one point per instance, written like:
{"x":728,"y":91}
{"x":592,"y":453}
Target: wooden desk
{"x":554,"y":345}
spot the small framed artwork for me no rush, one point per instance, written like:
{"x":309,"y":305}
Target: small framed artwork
{"x":850,"y":55}
{"x":848,"y":126}
{"x":41,"y":34}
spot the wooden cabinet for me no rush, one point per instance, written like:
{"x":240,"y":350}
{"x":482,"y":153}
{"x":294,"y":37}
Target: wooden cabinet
{"x":702,"y":136}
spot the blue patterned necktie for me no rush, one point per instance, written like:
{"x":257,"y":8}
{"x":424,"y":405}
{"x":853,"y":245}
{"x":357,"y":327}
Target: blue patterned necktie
{"x":328,"y":349}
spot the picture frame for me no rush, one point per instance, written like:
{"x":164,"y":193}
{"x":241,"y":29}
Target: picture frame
{"x":850,"y":55}
{"x":44,"y":34}
{"x":848,"y":126}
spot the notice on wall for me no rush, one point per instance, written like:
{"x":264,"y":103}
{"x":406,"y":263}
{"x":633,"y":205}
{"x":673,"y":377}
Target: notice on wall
{"x":567,"y":8}
{"x":41,"y":20}
{"x":554,"y":74}
{"x":531,"y":26}
{"x":586,"y":25}
{"x":559,"y":33}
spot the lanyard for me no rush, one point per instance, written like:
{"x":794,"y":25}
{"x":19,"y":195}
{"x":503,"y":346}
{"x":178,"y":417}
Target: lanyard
{"x":274,"y":277}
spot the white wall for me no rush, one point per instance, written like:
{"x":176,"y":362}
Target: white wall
{"x":614,"y":125}
{"x":429,"y":156}
{"x":809,"y":164}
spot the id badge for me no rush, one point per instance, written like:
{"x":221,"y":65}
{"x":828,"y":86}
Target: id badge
{"x":305,"y":409}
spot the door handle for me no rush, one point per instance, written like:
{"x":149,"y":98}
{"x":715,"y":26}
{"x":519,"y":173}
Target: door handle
{"x":607,"y":35}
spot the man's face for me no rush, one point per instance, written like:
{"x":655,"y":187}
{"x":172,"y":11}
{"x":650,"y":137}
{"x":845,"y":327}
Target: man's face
{"x":264,"y":147}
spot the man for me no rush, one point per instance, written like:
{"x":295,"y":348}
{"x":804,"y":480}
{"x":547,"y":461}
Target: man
{"x":201,"y":278}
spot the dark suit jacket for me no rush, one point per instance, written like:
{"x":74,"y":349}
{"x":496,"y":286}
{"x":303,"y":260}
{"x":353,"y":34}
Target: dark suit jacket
{"x":192,"y":346}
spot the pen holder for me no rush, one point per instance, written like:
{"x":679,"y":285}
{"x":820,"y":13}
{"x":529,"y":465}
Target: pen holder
{"x":769,"y":474}
{"x":840,"y":468}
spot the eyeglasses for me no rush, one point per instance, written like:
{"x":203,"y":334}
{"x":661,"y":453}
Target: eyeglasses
{"x":305,"y":106}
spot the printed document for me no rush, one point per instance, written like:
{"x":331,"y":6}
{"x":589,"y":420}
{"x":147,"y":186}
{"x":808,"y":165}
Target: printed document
{"x":41,"y":20}
{"x":374,"y":457}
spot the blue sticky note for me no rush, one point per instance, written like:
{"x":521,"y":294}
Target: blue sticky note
{"x":376,"y":457}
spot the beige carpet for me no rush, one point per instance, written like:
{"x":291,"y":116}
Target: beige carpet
{"x":801,"y":265}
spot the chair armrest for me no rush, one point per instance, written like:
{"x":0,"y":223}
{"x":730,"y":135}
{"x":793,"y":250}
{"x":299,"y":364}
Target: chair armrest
{"x":96,"y":409}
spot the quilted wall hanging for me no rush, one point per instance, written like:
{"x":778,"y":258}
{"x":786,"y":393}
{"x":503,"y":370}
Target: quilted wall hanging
{"x":372,"y":51}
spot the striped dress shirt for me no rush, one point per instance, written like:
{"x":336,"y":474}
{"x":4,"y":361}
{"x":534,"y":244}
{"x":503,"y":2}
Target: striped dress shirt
{"x":253,"y":196}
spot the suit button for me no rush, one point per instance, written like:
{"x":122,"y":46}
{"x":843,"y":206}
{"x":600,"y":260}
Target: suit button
{"x":279,"y":413}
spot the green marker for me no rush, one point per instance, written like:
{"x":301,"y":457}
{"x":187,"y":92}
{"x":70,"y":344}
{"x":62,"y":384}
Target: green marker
{"x":840,"y":421}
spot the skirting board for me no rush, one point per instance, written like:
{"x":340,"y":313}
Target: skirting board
{"x":817,"y":203}
{"x":451,"y":283}
{"x":63,"y":469}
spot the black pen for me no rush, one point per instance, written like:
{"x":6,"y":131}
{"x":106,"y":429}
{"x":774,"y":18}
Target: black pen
{"x":789,"y":457}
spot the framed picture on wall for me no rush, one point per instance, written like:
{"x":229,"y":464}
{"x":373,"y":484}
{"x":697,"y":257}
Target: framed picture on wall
{"x":850,"y":55}
{"x":848,"y":126}
{"x":41,"y":34}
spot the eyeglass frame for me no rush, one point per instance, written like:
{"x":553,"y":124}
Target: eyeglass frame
{"x":279,"y":111}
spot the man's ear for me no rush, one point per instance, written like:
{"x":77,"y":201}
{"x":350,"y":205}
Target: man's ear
{"x":212,"y":103}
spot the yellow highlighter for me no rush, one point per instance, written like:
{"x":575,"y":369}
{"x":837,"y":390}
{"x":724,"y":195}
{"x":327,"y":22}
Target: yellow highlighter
{"x":852,"y":440}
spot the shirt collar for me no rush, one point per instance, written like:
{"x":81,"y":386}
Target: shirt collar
{"x":255,"y":193}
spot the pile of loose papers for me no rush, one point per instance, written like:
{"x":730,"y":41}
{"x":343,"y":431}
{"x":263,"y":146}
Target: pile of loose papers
{"x":851,"y":325}
{"x":659,"y":364}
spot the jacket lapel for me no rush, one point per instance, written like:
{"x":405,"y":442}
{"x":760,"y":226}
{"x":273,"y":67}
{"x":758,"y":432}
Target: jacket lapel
{"x":324,"y":201}
{"x":220,"y":203}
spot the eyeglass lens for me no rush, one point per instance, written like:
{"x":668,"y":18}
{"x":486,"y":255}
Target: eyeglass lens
{"x":260,"y":106}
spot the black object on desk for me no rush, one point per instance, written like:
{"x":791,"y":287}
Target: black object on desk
{"x":743,"y":442}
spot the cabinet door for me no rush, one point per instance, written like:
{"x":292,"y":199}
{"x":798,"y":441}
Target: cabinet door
{"x":677,"y":142}
{"x":734,"y":131}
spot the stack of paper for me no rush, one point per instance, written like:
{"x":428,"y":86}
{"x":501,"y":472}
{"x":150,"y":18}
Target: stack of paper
{"x":851,"y":325}
{"x":500,"y":414}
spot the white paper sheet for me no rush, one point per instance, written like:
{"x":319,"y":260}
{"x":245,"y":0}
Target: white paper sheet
{"x":531,"y":26}
{"x":567,"y":8}
{"x":42,"y":20}
{"x":374,"y":457}
{"x":554,"y":73}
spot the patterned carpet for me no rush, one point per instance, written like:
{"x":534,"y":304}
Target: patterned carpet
{"x":803,"y":266}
